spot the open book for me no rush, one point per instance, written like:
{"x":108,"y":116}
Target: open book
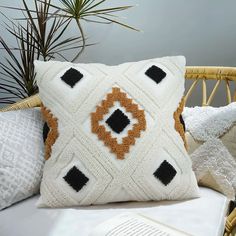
{"x":131,"y":224}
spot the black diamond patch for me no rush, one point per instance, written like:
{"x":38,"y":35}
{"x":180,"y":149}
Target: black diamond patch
{"x":46,"y":130}
{"x":165,"y":173}
{"x":76,"y":179}
{"x":72,"y":77}
{"x":155,"y":73}
{"x":182,"y":122}
{"x":118,"y":121}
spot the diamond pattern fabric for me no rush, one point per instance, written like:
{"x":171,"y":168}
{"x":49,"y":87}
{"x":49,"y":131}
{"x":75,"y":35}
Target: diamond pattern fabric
{"x":108,"y":138}
{"x":117,"y":139}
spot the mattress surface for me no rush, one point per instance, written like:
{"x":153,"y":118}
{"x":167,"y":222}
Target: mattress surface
{"x":204,"y":216}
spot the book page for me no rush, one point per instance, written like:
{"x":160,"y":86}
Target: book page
{"x":131,"y":224}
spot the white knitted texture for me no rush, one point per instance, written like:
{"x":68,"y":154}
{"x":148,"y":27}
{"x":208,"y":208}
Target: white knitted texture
{"x":206,"y":128}
{"x":21,"y":155}
{"x":208,"y":122}
{"x":112,"y":179}
{"x":213,"y":159}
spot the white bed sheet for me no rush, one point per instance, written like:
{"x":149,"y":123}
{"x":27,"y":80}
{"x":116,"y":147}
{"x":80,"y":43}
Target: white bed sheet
{"x":204,"y":216}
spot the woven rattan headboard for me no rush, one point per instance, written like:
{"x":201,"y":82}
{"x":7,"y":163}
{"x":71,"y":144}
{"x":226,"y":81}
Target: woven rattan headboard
{"x":218,"y":75}
{"x":198,"y":74}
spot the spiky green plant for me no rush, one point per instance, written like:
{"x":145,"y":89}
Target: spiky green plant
{"x":88,"y":10}
{"x":17,"y":73}
{"x":47,"y":32}
{"x":41,"y":35}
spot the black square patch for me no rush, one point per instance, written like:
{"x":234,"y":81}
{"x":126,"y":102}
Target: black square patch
{"x":46,"y":130}
{"x":155,"y":73}
{"x":118,"y":121}
{"x":76,"y":179}
{"x":72,"y":77}
{"x":165,"y":173}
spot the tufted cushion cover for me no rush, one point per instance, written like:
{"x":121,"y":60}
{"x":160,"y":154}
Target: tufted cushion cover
{"x":115,"y":132}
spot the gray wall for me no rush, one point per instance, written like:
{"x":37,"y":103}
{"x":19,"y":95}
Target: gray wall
{"x":203,"y":30}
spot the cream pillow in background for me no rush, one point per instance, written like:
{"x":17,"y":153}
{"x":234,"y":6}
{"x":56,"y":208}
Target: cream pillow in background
{"x":21,"y":155}
{"x":114,"y":132}
{"x":211,"y":140}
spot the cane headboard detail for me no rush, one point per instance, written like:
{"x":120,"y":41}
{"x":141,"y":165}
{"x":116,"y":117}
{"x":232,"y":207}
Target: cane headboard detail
{"x":218,"y":75}
{"x":195,"y":74}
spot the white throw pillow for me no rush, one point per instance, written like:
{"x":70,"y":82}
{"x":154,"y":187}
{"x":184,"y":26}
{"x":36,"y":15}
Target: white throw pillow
{"x":115,"y":132}
{"x":21,"y":155}
{"x":211,"y":139}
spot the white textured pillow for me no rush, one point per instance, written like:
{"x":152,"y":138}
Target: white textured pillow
{"x":211,"y":138}
{"x":112,"y":132}
{"x":21,"y":155}
{"x":215,"y":167}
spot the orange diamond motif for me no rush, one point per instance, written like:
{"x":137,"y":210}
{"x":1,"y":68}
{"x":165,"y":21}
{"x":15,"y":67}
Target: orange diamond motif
{"x":120,"y":149}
